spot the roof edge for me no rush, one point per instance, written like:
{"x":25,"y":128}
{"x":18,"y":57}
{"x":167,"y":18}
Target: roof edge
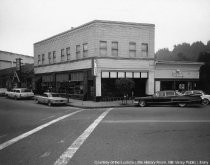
{"x":92,"y":22}
{"x":179,"y":62}
{"x":16,"y":53}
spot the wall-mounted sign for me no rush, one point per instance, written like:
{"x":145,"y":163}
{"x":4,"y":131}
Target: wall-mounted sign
{"x":177,"y":73}
{"x":94,"y":64}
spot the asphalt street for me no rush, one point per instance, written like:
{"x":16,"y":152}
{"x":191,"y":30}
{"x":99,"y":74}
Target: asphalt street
{"x":35,"y":134}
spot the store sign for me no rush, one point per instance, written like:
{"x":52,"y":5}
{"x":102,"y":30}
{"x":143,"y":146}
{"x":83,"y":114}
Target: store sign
{"x":105,"y":74}
{"x":121,"y":74}
{"x":177,"y":73}
{"x":94,"y":67}
{"x":144,"y":75}
{"x":136,"y":74}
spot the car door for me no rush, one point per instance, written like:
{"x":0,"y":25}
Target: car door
{"x":169,"y":96}
{"x":41,"y":98}
{"x":159,"y":98}
{"x":45,"y":98}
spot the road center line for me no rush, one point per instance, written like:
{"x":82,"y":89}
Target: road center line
{"x":69,"y":153}
{"x":156,"y":121}
{"x":22,"y":136}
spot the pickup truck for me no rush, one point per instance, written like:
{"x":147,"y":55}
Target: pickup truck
{"x":168,"y":97}
{"x":50,"y":99}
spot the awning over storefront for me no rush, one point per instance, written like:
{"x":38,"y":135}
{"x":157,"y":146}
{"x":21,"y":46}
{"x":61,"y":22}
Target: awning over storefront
{"x":47,"y":78}
{"x":62,"y":77}
{"x":121,"y":74}
{"x":77,"y":76}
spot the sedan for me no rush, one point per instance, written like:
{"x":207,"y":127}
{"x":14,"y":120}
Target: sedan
{"x":205,"y":97}
{"x":20,"y":93}
{"x":50,"y":99}
{"x":168,"y":97}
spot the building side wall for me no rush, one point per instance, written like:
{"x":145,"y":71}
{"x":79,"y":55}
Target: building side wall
{"x":123,"y":34}
{"x":71,"y":39}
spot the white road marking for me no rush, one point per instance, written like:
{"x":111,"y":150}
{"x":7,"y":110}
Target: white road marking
{"x":20,"y":137}
{"x":156,"y":121}
{"x":69,"y":153}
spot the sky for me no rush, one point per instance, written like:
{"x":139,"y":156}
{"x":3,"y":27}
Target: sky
{"x":24,"y":22}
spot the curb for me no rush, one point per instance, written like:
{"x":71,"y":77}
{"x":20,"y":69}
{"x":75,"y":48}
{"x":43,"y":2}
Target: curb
{"x":97,"y":107}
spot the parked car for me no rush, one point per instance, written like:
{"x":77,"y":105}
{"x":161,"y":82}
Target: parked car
{"x":20,"y":93}
{"x":3,"y":91}
{"x":205,"y":97}
{"x":168,"y":97}
{"x":50,"y":99}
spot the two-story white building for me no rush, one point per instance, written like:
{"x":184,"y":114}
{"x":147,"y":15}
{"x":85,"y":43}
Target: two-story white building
{"x":87,"y":60}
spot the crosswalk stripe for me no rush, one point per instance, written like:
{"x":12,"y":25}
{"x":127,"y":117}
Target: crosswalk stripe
{"x":69,"y":153}
{"x":22,"y":136}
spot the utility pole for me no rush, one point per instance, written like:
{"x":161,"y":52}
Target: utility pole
{"x":18,"y":70}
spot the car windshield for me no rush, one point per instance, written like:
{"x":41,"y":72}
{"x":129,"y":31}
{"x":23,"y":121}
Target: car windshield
{"x":199,"y":92}
{"x":54,"y":95}
{"x":25,"y":90}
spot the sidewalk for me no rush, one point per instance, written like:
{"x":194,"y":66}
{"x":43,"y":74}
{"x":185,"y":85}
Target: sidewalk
{"x":93,"y":104}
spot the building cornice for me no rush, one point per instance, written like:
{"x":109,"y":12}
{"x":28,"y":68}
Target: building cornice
{"x":93,"y":23}
{"x":179,"y":62}
{"x":90,"y":58}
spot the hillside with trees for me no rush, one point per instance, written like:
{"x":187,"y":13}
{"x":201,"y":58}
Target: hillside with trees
{"x":183,"y":52}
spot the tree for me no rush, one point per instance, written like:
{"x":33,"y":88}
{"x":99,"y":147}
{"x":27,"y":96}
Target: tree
{"x":205,"y":71}
{"x":125,"y":86}
{"x":163,"y":54}
{"x":183,"y":52}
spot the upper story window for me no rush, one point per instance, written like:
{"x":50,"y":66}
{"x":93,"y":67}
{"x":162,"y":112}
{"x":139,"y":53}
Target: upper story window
{"x":49,"y":57}
{"x":114,"y":48}
{"x":103,"y":48}
{"x":39,"y":59}
{"x":144,"y":49}
{"x":85,"y":50}
{"x":78,"y":53}
{"x":43,"y":58}
{"x":54,"y":56}
{"x":68,"y":53}
{"x":62,"y":55}
{"x":132,"y":49}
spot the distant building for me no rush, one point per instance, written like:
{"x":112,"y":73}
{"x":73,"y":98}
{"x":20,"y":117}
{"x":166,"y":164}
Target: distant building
{"x":9,"y":78}
{"x":177,"y":75}
{"x":8,"y":59}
